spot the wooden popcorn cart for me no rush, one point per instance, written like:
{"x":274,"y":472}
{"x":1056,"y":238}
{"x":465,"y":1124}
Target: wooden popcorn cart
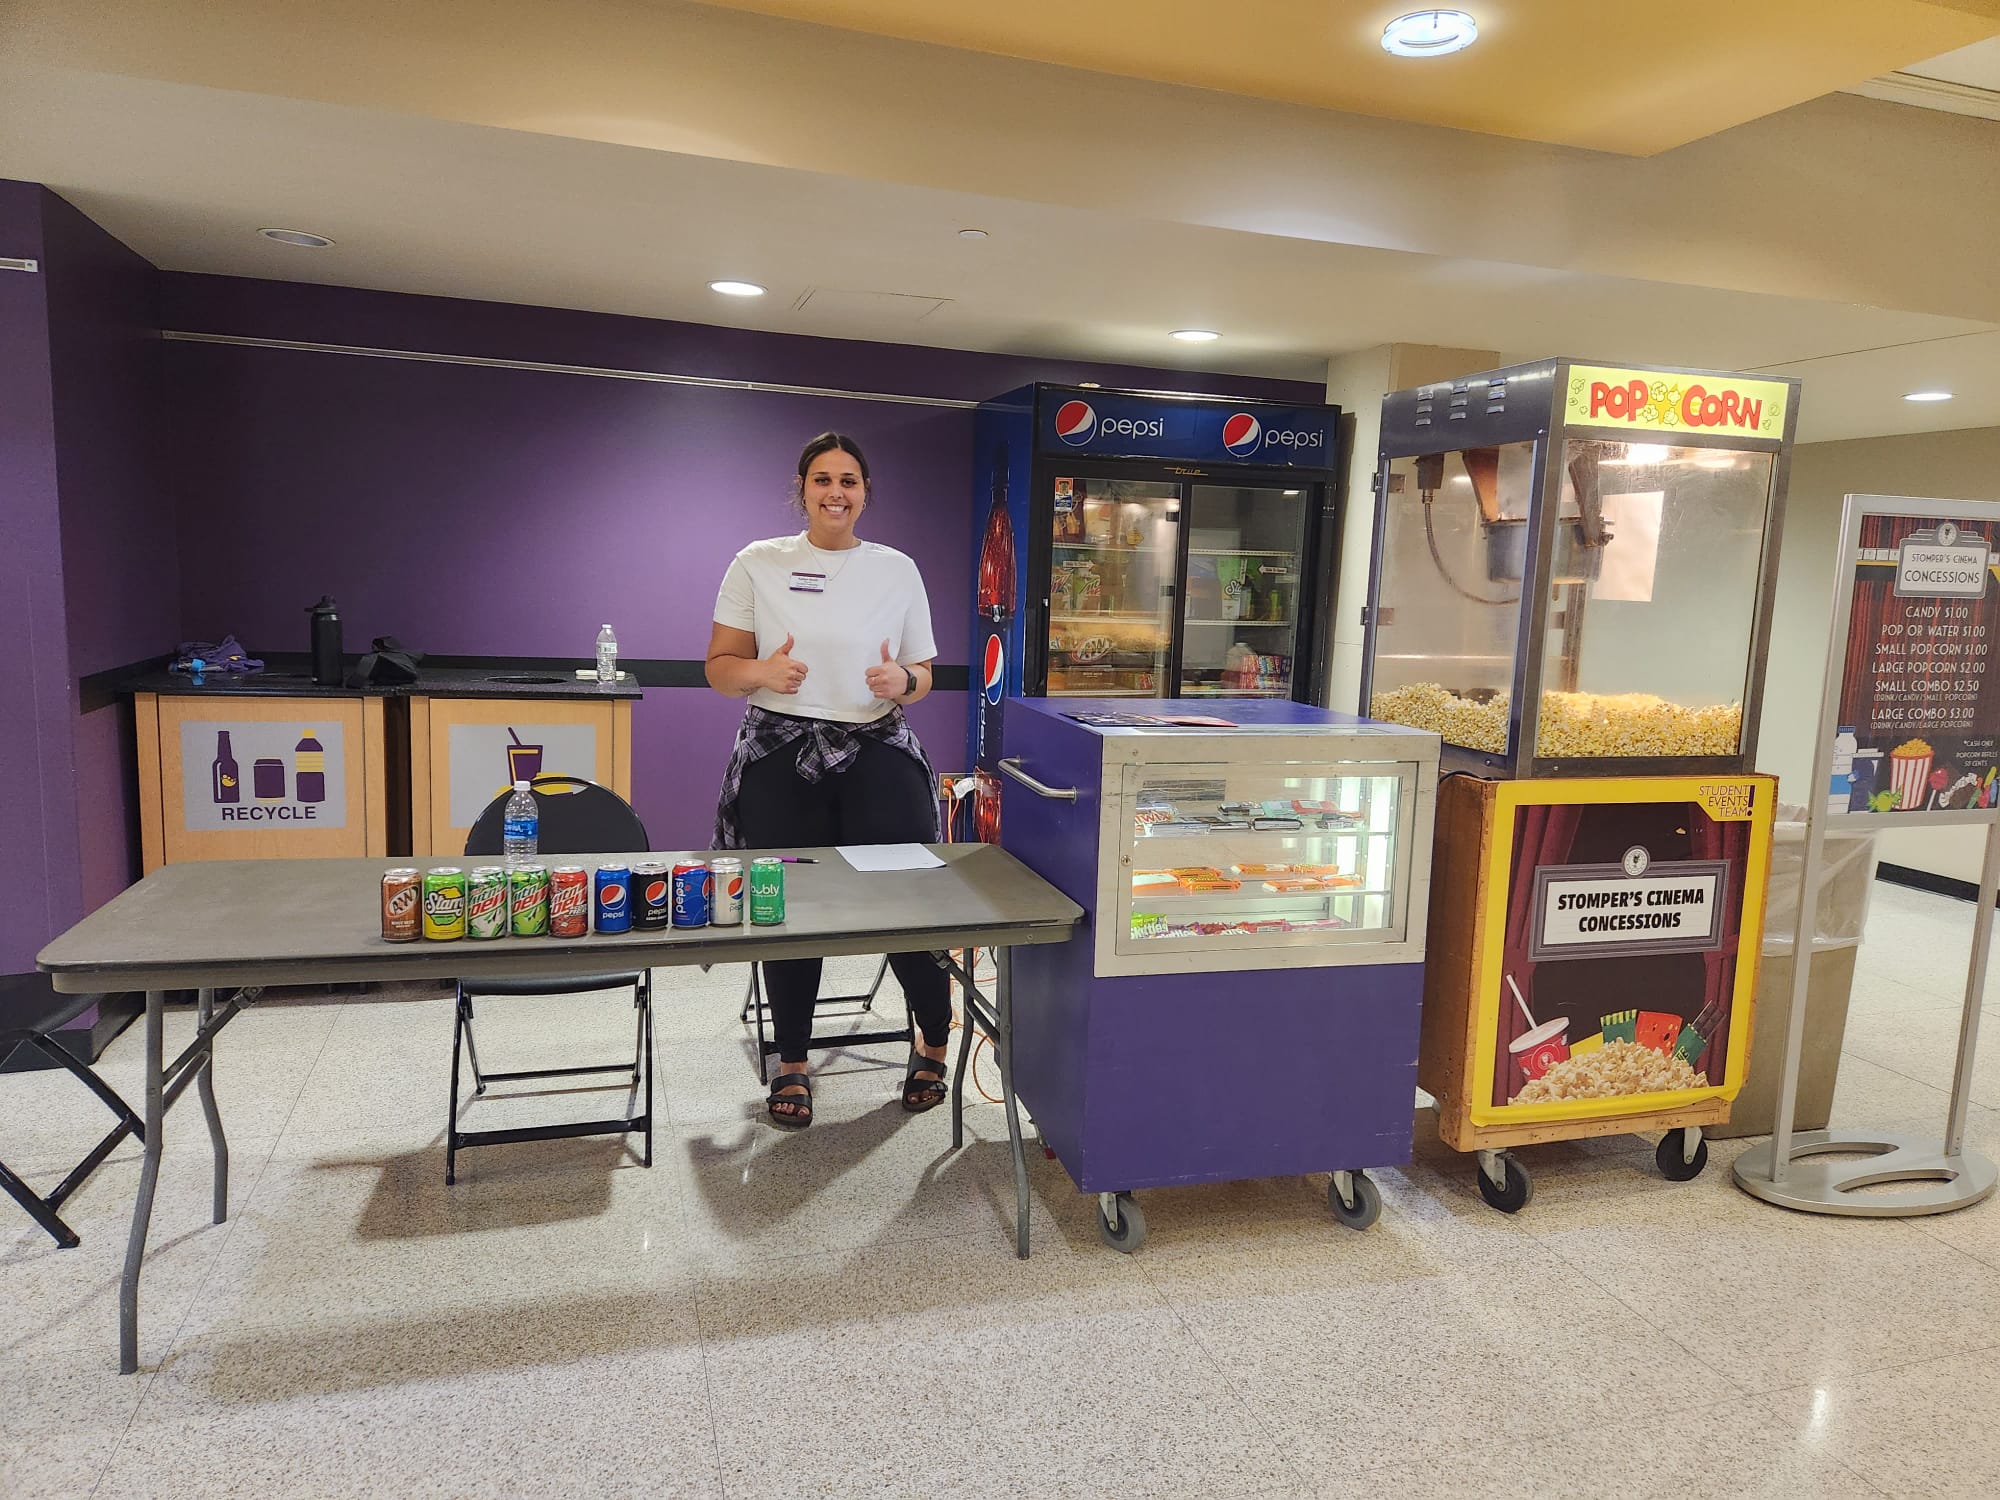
{"x":1572,"y":582}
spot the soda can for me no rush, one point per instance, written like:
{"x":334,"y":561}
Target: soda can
{"x":402,"y":903}
{"x":767,"y":892}
{"x":725,"y":892}
{"x":691,"y":892}
{"x":652,"y":902}
{"x":569,"y":901}
{"x":486,"y":903}
{"x":614,"y":898}
{"x":444,"y":904}
{"x":528,"y":900}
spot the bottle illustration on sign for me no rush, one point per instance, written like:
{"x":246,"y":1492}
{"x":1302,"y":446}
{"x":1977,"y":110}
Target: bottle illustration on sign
{"x":524,"y":762}
{"x":226,"y":782}
{"x":309,"y":769}
{"x":267,"y":779}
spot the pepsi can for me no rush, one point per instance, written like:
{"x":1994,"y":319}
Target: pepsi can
{"x":651,"y":904}
{"x":613,"y":898}
{"x":691,"y":893}
{"x":725,"y":893}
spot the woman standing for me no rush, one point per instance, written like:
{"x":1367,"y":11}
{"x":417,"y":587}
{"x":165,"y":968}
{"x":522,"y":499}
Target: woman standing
{"x":829,"y":637}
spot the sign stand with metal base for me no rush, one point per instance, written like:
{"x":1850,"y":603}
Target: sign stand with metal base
{"x":1944,"y":1175}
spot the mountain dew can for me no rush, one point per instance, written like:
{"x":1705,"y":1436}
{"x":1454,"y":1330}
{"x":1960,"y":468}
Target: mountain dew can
{"x":767,"y":892}
{"x":486,"y":903}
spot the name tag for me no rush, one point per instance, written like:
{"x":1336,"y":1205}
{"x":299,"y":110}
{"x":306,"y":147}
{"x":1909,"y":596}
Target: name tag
{"x":809,"y":583}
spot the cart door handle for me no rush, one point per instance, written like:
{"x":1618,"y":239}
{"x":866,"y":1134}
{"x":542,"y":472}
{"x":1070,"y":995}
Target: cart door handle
{"x":1040,"y":789}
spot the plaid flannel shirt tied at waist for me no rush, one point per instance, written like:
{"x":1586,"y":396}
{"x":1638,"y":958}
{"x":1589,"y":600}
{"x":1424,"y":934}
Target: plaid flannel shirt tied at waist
{"x":832,"y":749}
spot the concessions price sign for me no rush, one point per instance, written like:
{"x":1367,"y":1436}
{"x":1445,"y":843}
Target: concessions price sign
{"x":1916,"y":731}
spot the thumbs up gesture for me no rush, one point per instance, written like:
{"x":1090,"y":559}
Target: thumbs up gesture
{"x":782,"y":674}
{"x":886,"y":679}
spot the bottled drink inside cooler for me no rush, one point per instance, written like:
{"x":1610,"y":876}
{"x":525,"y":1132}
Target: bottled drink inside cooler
{"x":1112,"y":557}
{"x":1244,"y":572}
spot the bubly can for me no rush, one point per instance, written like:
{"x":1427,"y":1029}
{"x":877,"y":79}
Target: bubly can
{"x":725,"y":892}
{"x":691,"y":893}
{"x":528,"y":900}
{"x":569,"y":901}
{"x":486,"y":903}
{"x":652,"y":898}
{"x":402,"y":906}
{"x":444,"y":904}
{"x":767,"y":892}
{"x":614,"y":898}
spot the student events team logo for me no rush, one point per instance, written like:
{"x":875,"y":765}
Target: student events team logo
{"x":1076,"y":422}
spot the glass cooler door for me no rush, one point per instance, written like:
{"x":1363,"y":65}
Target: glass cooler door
{"x":1227,"y":857}
{"x":1244,"y":572}
{"x":1112,"y":560}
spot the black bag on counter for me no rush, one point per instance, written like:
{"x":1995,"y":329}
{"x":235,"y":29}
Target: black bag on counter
{"x":390,"y":664}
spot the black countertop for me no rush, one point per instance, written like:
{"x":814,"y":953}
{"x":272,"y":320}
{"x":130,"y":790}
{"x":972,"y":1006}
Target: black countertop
{"x":437,"y":682}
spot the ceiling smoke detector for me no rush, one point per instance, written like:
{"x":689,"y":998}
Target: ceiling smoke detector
{"x":1429,"y":33}
{"x":305,"y":239}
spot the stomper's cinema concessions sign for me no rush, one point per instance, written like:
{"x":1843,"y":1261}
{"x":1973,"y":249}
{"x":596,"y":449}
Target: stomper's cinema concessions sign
{"x":1676,"y":401}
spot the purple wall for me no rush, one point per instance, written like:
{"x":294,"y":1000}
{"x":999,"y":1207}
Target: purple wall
{"x":37,"y":792}
{"x":475,"y":511}
{"x":121,"y":587}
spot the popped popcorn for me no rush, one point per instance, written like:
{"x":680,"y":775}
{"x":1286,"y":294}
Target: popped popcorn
{"x":1573,"y":725}
{"x":1612,"y":1071}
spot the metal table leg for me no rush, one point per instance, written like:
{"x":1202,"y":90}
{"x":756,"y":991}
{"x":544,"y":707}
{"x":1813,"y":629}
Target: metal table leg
{"x":149,"y":1177}
{"x":1003,"y":1047}
{"x":205,"y":1081}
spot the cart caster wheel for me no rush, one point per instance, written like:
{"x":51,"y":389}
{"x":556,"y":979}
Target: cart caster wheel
{"x":1366,"y":1207}
{"x":1518,"y":1193}
{"x":1128,"y":1233}
{"x":1672,"y":1158}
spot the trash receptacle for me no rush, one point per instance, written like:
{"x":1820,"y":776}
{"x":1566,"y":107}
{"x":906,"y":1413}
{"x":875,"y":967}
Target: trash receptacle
{"x":1847,"y":876}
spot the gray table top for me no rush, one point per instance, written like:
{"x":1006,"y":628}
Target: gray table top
{"x":226,"y":923}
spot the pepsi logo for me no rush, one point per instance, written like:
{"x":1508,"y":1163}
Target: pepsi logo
{"x":1076,"y":422}
{"x":995,"y":668}
{"x":610,"y":897}
{"x":734,"y":888}
{"x":656,"y":892}
{"x":1242,"y":434}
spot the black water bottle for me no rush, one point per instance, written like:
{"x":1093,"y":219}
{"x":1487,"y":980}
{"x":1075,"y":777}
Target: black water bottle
{"x":326,"y":642}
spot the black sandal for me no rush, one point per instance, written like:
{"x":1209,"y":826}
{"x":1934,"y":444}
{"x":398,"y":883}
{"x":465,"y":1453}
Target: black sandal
{"x":923,"y":1082}
{"x":798,"y":1109}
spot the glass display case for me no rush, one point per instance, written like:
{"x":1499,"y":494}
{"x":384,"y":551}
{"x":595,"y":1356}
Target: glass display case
{"x":1574,"y":565}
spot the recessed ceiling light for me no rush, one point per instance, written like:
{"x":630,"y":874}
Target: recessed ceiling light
{"x":1928,"y":396}
{"x":736,"y":288}
{"x":1429,"y":33}
{"x":1196,"y":335}
{"x":972,"y":234}
{"x":300,"y":237}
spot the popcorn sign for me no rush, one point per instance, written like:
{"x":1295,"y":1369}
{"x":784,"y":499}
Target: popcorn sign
{"x":1677,"y":401}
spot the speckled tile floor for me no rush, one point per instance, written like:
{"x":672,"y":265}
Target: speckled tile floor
{"x":839,"y":1313}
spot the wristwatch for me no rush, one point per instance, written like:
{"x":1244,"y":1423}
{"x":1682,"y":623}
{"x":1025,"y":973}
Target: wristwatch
{"x":909,"y":682}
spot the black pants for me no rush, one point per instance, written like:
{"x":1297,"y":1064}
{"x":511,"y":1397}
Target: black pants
{"x":882,"y":798}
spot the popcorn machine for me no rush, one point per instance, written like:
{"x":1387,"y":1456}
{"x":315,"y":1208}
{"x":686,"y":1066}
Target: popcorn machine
{"x":1572,"y":582}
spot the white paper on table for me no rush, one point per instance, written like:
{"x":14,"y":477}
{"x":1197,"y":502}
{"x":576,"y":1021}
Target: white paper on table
{"x":890,"y":857}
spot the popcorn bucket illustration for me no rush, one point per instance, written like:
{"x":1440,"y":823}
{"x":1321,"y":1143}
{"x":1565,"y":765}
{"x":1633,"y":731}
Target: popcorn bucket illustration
{"x":1909,"y":771}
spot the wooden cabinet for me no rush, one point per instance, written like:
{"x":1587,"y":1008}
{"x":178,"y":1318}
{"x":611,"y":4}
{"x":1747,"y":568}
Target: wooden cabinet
{"x":464,"y":752}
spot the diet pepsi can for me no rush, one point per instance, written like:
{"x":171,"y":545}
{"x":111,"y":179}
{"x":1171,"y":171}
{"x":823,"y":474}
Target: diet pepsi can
{"x":651,"y":903}
{"x":691,"y":893}
{"x":725,"y":893}
{"x":613,"y":885}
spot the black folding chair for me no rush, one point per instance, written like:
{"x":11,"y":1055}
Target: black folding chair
{"x":46,"y":1210}
{"x":576,"y":817}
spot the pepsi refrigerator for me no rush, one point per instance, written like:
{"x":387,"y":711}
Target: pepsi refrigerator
{"x":1242,"y":999}
{"x":1138,"y":544}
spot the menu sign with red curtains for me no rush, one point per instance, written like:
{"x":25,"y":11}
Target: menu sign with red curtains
{"x":1918,"y":724}
{"x":1618,"y":979}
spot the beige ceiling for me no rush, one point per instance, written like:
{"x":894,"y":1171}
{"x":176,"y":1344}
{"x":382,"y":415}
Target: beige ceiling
{"x":617,"y":154}
{"x":1628,"y":77}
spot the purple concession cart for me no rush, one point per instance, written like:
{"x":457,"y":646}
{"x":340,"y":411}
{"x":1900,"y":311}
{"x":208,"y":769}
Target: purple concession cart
{"x":1241,"y":999}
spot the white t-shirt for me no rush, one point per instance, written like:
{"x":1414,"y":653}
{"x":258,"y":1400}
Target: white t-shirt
{"x":838,"y":607}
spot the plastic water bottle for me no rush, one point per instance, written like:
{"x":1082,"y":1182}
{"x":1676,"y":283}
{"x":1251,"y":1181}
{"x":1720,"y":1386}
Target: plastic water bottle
{"x":521,"y":826}
{"x":607,"y":655}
